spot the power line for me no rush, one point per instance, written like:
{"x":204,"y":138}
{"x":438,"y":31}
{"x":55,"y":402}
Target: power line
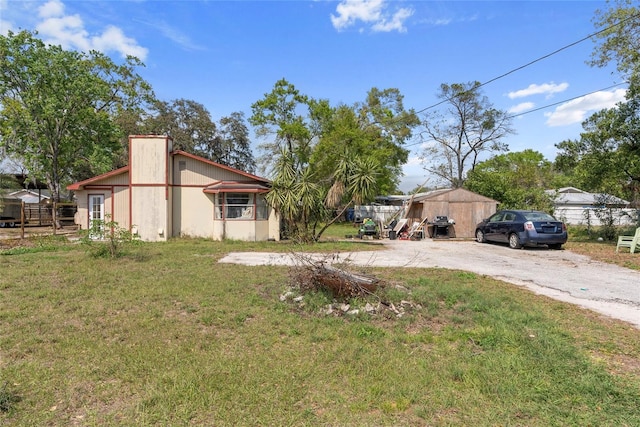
{"x":547,"y":106}
{"x":537,"y":60}
{"x":565,"y":100}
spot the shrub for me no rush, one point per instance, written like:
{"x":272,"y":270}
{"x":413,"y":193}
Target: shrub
{"x":108,"y":239}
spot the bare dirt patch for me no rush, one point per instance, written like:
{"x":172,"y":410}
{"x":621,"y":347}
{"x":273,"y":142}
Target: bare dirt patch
{"x":16,"y":237}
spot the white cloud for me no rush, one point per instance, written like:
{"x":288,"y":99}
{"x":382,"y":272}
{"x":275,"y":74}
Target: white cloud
{"x":575,"y":111}
{"x":442,"y":21}
{"x":534,"y":89}
{"x":523,"y":106}
{"x":446,"y":21}
{"x":372,"y":12}
{"x":5,"y":26}
{"x":396,"y":23}
{"x":69,"y":32}
{"x":113,"y":39}
{"x":51,"y":9}
{"x":174,"y":35}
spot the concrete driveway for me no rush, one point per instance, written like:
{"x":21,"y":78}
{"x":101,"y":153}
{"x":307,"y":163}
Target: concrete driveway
{"x":563,"y":275}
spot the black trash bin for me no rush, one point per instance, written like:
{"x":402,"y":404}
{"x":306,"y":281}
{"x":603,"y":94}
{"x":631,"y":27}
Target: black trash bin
{"x":392,"y":235}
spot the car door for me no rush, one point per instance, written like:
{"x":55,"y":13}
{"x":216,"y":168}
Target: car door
{"x":504,"y":227}
{"x":492,"y":226}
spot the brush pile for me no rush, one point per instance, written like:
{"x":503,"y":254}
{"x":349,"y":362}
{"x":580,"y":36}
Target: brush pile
{"x":316,"y":275}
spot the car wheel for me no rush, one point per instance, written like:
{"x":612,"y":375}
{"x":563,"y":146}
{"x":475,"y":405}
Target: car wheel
{"x":514,"y":241}
{"x":555,"y":246}
{"x":480,"y":236}
{"x":11,"y":224}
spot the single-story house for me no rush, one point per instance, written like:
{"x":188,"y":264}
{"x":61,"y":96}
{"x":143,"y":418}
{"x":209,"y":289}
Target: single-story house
{"x":31,"y":196}
{"x":164,"y":193}
{"x":577,"y":207}
{"x":464,"y":207}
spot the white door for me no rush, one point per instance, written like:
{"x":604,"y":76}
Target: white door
{"x":96,"y":215}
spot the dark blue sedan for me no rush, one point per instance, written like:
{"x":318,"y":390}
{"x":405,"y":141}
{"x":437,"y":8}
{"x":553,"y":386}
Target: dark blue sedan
{"x":521,"y":228}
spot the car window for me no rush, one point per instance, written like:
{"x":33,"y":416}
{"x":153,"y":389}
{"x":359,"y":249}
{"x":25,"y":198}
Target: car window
{"x":496,"y":217}
{"x":509,"y":216}
{"x":538,"y":216}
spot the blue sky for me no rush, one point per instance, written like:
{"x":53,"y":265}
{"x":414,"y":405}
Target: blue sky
{"x":228,"y":54}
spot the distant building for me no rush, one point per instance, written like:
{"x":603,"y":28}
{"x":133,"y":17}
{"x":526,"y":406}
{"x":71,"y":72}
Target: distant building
{"x":578,"y":207}
{"x":31,"y":196}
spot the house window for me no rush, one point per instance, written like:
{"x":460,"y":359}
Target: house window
{"x":262,"y":210}
{"x":236,"y":205}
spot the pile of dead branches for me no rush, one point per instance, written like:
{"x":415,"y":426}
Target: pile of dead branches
{"x":319,"y":275}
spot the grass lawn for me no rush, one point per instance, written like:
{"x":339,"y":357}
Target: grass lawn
{"x":167,"y":336}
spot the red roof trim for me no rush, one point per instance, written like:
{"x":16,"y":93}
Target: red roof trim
{"x":78,"y":185}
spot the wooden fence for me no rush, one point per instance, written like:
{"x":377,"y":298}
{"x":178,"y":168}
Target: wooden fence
{"x":16,"y":213}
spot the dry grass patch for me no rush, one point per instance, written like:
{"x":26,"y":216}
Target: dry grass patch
{"x":606,"y":252}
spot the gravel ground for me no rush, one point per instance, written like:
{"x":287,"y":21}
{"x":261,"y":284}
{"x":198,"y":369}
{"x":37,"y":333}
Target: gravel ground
{"x":563,"y":275}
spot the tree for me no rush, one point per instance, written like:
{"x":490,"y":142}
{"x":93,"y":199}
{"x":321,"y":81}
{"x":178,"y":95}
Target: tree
{"x":376,"y":129}
{"x":190,"y":125}
{"x":232,"y":144}
{"x":619,"y":38}
{"x":517,"y":180}
{"x":462,"y":132}
{"x":284,"y":114}
{"x":296,"y":197}
{"x":609,"y":149}
{"x":57,"y":107}
{"x":606,"y":158}
{"x":186,"y":121}
{"x":325,"y":159}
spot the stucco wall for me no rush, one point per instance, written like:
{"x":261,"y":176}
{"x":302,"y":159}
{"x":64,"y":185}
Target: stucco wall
{"x":149,"y":213}
{"x":148,"y":157}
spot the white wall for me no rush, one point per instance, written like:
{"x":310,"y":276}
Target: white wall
{"x":578,"y":216}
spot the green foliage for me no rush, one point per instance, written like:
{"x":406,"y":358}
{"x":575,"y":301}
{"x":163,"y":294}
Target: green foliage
{"x":57,"y":108}
{"x":619,"y":37}
{"x":8,"y":182}
{"x":232,"y":144}
{"x":517,"y":180}
{"x":606,"y":158}
{"x":325,"y":158}
{"x":187,"y":122}
{"x":107,"y":239}
{"x":296,"y":197}
{"x":458,"y":134}
{"x":375,"y":130}
{"x":280,"y":115}
{"x":7,"y":398}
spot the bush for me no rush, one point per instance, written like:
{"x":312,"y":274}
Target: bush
{"x":107,"y":239}
{"x":7,"y":398}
